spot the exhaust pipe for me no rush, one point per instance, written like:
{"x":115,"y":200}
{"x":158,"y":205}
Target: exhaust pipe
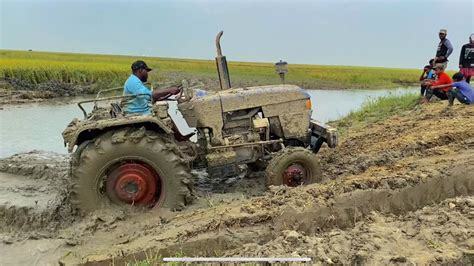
{"x":221,"y":62}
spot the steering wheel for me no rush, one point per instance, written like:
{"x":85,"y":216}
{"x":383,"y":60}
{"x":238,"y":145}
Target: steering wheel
{"x":182,"y":95}
{"x":179,"y":97}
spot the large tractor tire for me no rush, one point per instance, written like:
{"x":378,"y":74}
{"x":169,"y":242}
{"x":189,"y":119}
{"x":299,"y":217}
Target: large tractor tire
{"x":293,"y":166}
{"x":129,"y":167}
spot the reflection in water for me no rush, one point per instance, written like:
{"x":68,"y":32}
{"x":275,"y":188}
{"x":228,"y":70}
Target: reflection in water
{"x":38,"y":126}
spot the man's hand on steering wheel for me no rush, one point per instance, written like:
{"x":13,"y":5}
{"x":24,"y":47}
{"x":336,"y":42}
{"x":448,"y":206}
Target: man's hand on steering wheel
{"x":163,"y":94}
{"x":176,"y":89}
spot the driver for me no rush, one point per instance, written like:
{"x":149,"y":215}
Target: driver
{"x":134,"y":86}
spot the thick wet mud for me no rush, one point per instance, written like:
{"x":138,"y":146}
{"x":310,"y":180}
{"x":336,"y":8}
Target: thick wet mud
{"x":34,"y":195}
{"x":397,"y":191}
{"x":244,"y":233}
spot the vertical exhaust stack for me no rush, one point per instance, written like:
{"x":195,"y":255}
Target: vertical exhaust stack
{"x":221,"y":62}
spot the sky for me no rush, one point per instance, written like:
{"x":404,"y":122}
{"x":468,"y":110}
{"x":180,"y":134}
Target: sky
{"x":401,"y":34}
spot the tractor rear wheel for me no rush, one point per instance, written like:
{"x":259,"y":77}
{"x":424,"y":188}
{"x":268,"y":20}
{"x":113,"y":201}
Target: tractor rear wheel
{"x":130,"y":167}
{"x":293,"y":166}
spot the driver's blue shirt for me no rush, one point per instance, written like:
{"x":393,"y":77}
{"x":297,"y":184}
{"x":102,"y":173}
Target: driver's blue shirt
{"x":138,"y":105}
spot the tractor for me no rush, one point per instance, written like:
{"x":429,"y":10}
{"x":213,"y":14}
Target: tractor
{"x":122,"y":159}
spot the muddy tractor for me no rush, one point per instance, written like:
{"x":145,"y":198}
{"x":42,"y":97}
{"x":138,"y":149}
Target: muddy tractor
{"x":122,"y":159}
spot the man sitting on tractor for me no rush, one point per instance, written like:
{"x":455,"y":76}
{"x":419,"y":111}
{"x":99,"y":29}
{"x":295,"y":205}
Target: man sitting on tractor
{"x":134,"y":86}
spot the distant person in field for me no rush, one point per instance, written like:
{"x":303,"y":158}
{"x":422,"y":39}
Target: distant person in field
{"x":466,"y":59}
{"x":445,"y":48}
{"x":440,"y":87}
{"x":135,"y":86}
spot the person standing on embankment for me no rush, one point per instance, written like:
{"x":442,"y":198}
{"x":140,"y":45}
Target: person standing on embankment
{"x":466,"y":59}
{"x":445,"y":48}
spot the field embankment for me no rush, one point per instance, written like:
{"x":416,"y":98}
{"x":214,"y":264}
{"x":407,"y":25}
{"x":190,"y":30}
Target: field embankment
{"x":30,"y":74}
{"x":399,"y":189}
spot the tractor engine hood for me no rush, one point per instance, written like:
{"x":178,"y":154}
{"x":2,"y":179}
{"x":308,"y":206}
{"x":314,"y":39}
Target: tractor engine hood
{"x":207,"y":108}
{"x":237,"y":99}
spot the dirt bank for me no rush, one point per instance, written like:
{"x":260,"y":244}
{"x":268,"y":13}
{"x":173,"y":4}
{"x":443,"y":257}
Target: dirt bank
{"x":17,"y":91}
{"x":397,"y":191}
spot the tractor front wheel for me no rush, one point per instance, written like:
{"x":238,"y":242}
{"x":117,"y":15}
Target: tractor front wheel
{"x":293,"y":166}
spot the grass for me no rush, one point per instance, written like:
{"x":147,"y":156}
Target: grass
{"x":112,"y":70}
{"x":376,"y":110}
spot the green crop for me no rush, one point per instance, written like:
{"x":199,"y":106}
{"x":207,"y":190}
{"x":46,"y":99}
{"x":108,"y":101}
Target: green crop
{"x":38,"y":67}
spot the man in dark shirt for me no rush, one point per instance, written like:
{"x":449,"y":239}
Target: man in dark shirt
{"x":466,"y":59}
{"x":445,"y":48}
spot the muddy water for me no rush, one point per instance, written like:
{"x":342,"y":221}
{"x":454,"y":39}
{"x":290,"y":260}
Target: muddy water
{"x":24,"y":191}
{"x":38,"y":126}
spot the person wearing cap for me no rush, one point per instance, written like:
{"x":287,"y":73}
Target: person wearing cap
{"x":134,"y":86}
{"x":445,"y":48}
{"x":466,"y":59}
{"x":440,"y":87}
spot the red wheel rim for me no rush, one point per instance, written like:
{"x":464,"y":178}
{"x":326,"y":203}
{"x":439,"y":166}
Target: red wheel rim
{"x":295,"y":175}
{"x":133,"y":183}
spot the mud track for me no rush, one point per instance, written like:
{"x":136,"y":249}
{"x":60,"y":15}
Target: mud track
{"x":398,"y":191}
{"x":34,"y":192}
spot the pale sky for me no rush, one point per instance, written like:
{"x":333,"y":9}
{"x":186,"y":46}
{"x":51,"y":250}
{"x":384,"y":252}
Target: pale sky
{"x":368,"y":33}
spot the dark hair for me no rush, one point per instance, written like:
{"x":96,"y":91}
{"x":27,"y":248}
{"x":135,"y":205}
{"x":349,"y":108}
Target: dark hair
{"x":431,"y":62}
{"x":458,"y":76}
{"x":427,"y":66}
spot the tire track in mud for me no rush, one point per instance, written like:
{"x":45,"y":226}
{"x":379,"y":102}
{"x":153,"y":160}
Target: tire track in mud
{"x":346,"y":209}
{"x":341,"y":212}
{"x":35,"y":192}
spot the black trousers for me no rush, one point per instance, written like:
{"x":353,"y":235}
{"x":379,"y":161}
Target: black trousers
{"x":423,"y":89}
{"x":438,"y":93}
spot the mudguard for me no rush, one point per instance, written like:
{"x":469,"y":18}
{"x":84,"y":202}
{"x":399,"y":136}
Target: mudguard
{"x":73,"y":131}
{"x":325,"y":132}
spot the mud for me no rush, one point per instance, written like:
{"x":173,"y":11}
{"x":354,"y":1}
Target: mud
{"x":397,"y":191}
{"x":256,"y":227}
{"x":16,"y":91}
{"x":34,"y":195}
{"x":435,"y":234}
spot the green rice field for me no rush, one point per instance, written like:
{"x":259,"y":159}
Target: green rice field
{"x":112,"y":70}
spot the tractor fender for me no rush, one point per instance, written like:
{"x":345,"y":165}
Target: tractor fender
{"x":79,"y":131}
